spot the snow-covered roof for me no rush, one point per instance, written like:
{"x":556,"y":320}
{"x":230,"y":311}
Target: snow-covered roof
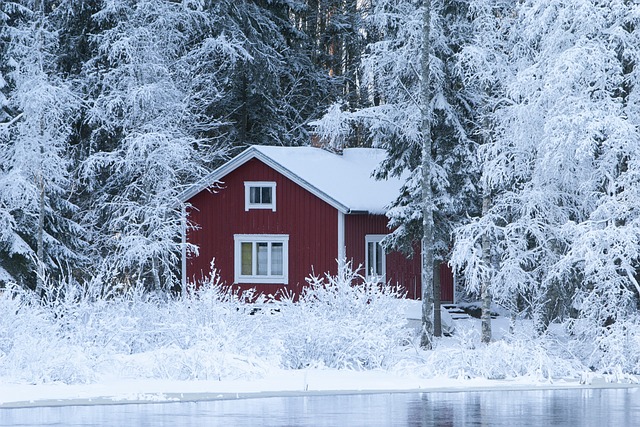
{"x":345,"y":180}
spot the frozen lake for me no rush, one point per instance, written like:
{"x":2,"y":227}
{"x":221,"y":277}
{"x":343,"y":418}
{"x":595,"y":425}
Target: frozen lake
{"x":586,"y":407}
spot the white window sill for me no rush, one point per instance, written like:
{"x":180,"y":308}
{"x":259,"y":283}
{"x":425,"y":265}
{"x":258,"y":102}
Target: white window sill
{"x":267,"y":280}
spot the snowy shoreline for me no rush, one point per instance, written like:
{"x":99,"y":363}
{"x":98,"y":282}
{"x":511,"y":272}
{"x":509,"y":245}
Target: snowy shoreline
{"x":343,"y":339}
{"x":315,"y":382}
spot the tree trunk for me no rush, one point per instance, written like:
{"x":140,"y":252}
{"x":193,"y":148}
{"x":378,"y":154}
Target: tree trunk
{"x":40,"y":240}
{"x":437,"y":297}
{"x":39,"y":7}
{"x":513,"y":313}
{"x":541,"y":311}
{"x":426,"y":340}
{"x":155,"y":274}
{"x":486,"y":281}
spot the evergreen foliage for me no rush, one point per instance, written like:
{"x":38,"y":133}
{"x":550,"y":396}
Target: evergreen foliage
{"x":38,"y":234}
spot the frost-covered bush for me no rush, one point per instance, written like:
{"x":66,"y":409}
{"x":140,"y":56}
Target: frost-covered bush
{"x":464,"y":356}
{"x":33,"y":347}
{"x":76,"y":335}
{"x":612,"y":349}
{"x":341,"y":321}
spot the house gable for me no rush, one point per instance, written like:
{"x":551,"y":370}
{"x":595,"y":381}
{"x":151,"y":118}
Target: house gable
{"x":344,"y":181}
{"x":309,"y":224}
{"x":255,"y":153}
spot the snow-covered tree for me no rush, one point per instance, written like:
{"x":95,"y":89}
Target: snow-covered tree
{"x":392,"y":73}
{"x":279,"y":85}
{"x":558,"y":162}
{"x":37,"y":236}
{"x":148,"y":126}
{"x":484,"y":59}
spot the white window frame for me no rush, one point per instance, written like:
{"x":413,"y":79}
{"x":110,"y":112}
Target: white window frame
{"x":238,"y":239}
{"x":374,"y":238}
{"x":261,"y":184}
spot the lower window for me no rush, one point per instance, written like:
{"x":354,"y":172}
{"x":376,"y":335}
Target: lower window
{"x":261,"y":258}
{"x":375,"y":257}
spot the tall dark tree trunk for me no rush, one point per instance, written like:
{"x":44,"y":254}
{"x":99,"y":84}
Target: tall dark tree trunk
{"x":437,"y":299}
{"x":426,"y":340}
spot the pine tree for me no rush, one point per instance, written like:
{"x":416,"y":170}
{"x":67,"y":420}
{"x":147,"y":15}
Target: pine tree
{"x":394,"y":120}
{"x":276,"y":88}
{"x":38,"y":237}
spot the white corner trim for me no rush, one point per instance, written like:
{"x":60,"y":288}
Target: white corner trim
{"x":183,"y":250}
{"x":342,"y":249}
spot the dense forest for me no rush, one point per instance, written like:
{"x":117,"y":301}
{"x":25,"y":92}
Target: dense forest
{"x":110,"y":108}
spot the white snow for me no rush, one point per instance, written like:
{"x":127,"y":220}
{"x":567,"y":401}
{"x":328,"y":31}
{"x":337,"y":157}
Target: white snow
{"x":210,"y":344}
{"x":346,"y":178}
{"x":276,"y":382}
{"x":404,"y":377}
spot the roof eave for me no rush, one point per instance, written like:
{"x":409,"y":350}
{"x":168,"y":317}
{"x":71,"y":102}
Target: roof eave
{"x":301,"y":182}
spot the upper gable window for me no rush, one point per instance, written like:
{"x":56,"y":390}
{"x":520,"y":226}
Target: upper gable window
{"x":260,"y":195}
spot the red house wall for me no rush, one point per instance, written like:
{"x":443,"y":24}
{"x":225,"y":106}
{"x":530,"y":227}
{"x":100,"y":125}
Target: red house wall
{"x":312,"y":226}
{"x":400,"y":270}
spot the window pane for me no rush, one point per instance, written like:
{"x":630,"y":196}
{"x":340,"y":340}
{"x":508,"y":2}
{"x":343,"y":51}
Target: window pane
{"x":266,"y":195}
{"x":379,"y":255}
{"x":276,"y":259}
{"x":371,"y":258}
{"x":246,"y":248}
{"x":263,"y":259}
{"x":254,"y":194}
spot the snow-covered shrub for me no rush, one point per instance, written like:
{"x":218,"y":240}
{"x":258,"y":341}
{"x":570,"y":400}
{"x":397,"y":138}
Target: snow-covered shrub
{"x":215,"y":333}
{"x":12,"y":301}
{"x":341,"y":321}
{"x":544,"y":358}
{"x":32,"y":345}
{"x":609,"y":349}
{"x":77,"y":335}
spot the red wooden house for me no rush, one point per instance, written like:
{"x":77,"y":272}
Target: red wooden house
{"x":272,"y":216}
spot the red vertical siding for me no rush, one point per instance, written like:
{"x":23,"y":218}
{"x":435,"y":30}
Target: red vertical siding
{"x":400,"y":269}
{"x":312,"y":226}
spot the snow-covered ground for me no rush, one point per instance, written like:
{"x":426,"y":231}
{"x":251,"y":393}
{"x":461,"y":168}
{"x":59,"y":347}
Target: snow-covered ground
{"x":409,"y":374}
{"x":276,"y":383}
{"x":83,"y":349}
